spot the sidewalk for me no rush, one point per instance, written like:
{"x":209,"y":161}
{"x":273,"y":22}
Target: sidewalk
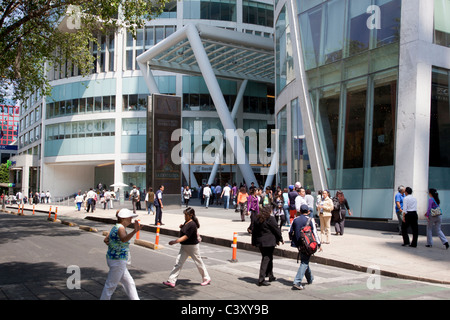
{"x":358,"y":249}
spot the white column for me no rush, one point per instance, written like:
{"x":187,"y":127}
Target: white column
{"x":219,"y":101}
{"x":414,"y":100}
{"x":234,"y":111}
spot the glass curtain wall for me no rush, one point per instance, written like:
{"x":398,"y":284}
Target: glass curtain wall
{"x":282,"y":147}
{"x":352,"y":76}
{"x":284,"y":55}
{"x":440,"y":130}
{"x":442,"y":22}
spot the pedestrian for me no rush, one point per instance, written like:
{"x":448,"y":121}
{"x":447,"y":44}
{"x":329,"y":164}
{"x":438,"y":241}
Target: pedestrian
{"x":225,"y":195}
{"x":159,"y":205}
{"x":399,"y":206}
{"x":325,"y":216}
{"x":90,"y":200}
{"x":48,"y":197}
{"x":138,"y":202}
{"x":294,"y":235}
{"x":286,"y":207}
{"x":189,"y":240}
{"x":410,"y":218}
{"x":310,"y":202}
{"x":278,"y":209}
{"x":150,"y":201}
{"x":218,"y":192}
{"x":242,"y":202}
{"x":340,"y":208}
{"x":207,"y":195}
{"x":108,"y":199}
{"x":434,"y":218}
{"x":292,"y":194}
{"x":252,"y":207}
{"x":79,"y":200}
{"x":266,"y":235}
{"x":134,"y":197}
{"x":187,"y":194}
{"x":300,"y":199}
{"x":234,"y":193}
{"x":118,"y":256}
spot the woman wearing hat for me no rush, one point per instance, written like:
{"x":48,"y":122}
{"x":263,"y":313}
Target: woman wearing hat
{"x":118,"y":256}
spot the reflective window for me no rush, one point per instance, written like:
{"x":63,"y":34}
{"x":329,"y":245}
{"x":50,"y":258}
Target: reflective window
{"x":284,"y":55}
{"x":224,"y":10}
{"x":440,"y":130}
{"x":257,"y":13}
{"x":442,"y":22}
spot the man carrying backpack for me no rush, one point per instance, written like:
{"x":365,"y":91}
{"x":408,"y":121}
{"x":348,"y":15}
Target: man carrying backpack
{"x":303,"y":236}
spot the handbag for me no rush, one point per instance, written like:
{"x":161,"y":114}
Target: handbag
{"x":436,"y":211}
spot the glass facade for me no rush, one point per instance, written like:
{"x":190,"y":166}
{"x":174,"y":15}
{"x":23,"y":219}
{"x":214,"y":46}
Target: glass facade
{"x":439,"y":173}
{"x":80,"y":137}
{"x":224,"y":10}
{"x":257,"y":13}
{"x":351,"y":61}
{"x":283,"y":52}
{"x":442,"y":22}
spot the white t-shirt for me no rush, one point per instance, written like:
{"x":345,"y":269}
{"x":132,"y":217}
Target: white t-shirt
{"x":299,"y":200}
{"x":226,"y":191}
{"x":207,"y":191}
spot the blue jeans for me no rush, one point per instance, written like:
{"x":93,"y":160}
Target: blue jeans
{"x":150,"y":207}
{"x":286,"y":214}
{"x":304,"y":270}
{"x":226,"y":202}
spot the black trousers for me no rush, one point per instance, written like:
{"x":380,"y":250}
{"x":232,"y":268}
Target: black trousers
{"x":266,"y":268}
{"x":158,"y":215}
{"x":411,"y":220}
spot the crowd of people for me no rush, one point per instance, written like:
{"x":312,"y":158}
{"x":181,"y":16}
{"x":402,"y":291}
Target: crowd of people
{"x":268,"y":211}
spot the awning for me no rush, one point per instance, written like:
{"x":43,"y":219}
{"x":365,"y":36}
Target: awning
{"x":232,"y":55}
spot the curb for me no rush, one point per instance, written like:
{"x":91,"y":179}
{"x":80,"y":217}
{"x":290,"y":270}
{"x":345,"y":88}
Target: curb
{"x":246,"y":246}
{"x":281,"y":253}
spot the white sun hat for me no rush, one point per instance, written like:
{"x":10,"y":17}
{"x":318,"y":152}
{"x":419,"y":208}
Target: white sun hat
{"x":126,"y":213}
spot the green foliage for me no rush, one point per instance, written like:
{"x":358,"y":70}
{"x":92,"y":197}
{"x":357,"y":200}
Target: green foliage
{"x":4,"y":173}
{"x":33,"y":32}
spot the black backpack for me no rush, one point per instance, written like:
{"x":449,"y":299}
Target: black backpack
{"x":308,"y":242}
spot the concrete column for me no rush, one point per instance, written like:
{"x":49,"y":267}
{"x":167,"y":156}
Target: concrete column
{"x":414,"y":100}
{"x":219,"y":101}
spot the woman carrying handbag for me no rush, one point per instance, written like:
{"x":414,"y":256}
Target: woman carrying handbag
{"x":434,"y":218}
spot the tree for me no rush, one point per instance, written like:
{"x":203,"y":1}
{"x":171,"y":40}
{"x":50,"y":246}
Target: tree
{"x":4,"y":173}
{"x":35,"y":32}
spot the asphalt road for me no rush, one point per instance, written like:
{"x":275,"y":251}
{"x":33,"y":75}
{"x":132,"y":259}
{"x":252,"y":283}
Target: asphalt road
{"x":38,"y":258}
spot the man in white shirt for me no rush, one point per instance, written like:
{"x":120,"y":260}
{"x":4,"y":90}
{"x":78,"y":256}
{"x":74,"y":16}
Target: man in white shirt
{"x":300,"y":199}
{"x":134,"y":197}
{"x":410,"y":218}
{"x":90,"y":199}
{"x":207,"y":194}
{"x":226,"y":196}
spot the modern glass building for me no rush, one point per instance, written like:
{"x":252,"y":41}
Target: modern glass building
{"x":362,"y":96}
{"x":358,"y":90}
{"x":93,"y":130}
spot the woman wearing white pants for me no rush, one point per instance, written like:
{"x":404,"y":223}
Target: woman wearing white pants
{"x":189,"y":247}
{"x":118,"y":257}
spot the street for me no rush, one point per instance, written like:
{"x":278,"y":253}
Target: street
{"x":39,"y":258}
